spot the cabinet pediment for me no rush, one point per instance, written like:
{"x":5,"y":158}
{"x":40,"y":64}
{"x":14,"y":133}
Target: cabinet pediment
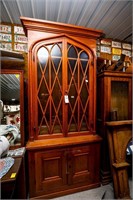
{"x":61,"y":37}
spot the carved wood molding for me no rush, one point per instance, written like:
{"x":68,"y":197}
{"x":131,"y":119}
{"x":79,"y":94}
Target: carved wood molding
{"x":48,"y":26}
{"x":119,"y":135}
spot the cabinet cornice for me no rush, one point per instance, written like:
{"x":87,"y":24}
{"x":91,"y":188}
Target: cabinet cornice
{"x":54,"y":27}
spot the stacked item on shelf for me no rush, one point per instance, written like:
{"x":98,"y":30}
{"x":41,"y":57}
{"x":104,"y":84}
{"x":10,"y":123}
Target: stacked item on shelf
{"x":123,"y":64}
{"x":113,"y":56}
{"x":5,"y":165}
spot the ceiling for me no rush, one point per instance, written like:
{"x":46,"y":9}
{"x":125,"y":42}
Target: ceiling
{"x":114,"y":17}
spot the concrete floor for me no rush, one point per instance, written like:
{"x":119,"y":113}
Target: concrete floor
{"x":102,"y":192}
{"x":97,"y":193}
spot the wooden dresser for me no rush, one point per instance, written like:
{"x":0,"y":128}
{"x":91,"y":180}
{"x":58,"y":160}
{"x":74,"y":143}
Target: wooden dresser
{"x":63,"y":147}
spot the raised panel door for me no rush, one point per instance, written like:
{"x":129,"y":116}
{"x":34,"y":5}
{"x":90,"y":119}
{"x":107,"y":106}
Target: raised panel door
{"x":84,"y":164}
{"x":50,"y":171}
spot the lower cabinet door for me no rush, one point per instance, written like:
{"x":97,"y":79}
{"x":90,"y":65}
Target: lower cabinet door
{"x":64,"y":169}
{"x":84,"y":165}
{"x":50,"y":171}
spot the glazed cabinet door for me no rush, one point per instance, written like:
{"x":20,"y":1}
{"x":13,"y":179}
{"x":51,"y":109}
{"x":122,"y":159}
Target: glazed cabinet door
{"x":61,"y":89}
{"x":50,"y":171}
{"x":121,"y":97}
{"x":79,"y":85}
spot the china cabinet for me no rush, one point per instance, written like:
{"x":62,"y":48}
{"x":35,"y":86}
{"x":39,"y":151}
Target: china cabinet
{"x":63,"y":147}
{"x":114,"y":103}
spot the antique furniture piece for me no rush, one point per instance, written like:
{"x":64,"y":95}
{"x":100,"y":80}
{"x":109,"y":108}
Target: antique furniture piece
{"x":13,"y":183}
{"x":119,"y":135}
{"x":63,"y":147}
{"x":12,"y":97}
{"x":114,"y":102}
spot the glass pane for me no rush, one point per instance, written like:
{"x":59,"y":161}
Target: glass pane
{"x":73,"y":117}
{"x":57,"y":127}
{"x":84,"y":94}
{"x":72,"y":53}
{"x":42,"y":56}
{"x":10,"y":92}
{"x":84,"y":64}
{"x":119,"y":99}
{"x":10,"y":107}
{"x":56,"y":51}
{"x":40,"y":116}
{"x":72,"y":70}
{"x":46,"y":74}
{"x":73,"y":126}
{"x":43,"y":94}
{"x":56,"y":94}
{"x":44,"y":129}
{"x":56,"y":63}
{"x":84,"y":125}
{"x":72,"y":94}
{"x":72,"y":64}
{"x":84,"y":55}
{"x":39,"y":73}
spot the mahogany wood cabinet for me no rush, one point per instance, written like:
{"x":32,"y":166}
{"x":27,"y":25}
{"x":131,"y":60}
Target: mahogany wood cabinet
{"x":114,"y":102}
{"x":63,"y":166}
{"x":63,"y":144}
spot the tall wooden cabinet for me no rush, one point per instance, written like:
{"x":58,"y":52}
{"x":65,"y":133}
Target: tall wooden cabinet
{"x":114,"y":102}
{"x":63,"y":147}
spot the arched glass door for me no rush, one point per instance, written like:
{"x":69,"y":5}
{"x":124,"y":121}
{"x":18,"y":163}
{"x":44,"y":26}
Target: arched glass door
{"x":62,"y":88}
{"x":49,"y":82}
{"x":78,"y":89}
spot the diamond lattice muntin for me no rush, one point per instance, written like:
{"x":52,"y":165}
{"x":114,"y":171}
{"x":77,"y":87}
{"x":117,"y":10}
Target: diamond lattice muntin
{"x":50,"y":86}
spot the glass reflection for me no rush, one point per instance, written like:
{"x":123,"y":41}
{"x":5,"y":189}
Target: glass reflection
{"x":10,"y":108}
{"x":43,"y":56}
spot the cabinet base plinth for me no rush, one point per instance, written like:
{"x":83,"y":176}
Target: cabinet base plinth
{"x":66,"y":192}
